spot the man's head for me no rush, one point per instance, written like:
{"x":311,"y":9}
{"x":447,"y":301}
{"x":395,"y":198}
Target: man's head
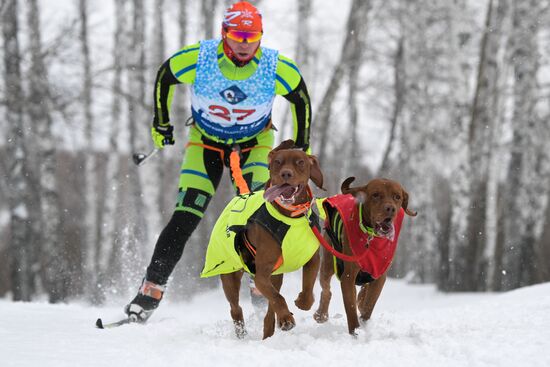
{"x":241,"y":32}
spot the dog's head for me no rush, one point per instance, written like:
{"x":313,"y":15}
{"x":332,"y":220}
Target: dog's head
{"x":381,"y":199}
{"x":290,"y":169}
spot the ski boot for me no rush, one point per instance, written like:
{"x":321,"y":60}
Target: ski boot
{"x":145,"y":302}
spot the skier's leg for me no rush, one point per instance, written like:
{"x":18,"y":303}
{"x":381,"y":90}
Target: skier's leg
{"x":200,"y":175}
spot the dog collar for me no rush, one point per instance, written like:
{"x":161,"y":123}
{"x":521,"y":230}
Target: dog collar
{"x":364,"y":228}
{"x":296,"y":210}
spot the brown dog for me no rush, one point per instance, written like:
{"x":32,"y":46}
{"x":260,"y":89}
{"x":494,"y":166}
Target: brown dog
{"x":267,"y":235}
{"x":362,"y":229}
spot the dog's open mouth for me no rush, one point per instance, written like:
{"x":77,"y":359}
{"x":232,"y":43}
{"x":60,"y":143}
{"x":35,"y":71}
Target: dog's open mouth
{"x":385,"y":228}
{"x":285,"y":192}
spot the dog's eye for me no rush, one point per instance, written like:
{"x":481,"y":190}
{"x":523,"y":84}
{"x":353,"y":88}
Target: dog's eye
{"x":396,"y":197}
{"x":277,"y":162}
{"x":300,"y":162}
{"x":376,"y":195}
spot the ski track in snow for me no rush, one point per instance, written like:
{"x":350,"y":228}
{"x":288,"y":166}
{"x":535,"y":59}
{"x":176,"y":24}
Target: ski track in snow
{"x":412,"y":325}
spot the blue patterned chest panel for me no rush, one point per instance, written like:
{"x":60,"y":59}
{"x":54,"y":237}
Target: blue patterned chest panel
{"x":227,"y":109}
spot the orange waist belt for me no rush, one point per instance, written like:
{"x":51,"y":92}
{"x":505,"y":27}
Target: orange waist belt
{"x":234,"y":163}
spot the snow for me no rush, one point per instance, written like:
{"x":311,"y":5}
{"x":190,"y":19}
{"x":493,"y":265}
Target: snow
{"x":412,"y":325}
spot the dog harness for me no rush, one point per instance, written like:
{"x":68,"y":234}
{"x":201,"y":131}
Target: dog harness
{"x":232,"y":110}
{"x":223,"y":255}
{"x":374,"y":253}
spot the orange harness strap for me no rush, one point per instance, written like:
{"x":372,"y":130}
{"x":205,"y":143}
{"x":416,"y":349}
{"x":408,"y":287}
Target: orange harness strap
{"x":252,"y":250}
{"x":235,"y":165}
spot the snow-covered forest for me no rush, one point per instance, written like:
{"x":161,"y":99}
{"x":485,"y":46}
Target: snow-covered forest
{"x":451,"y":98}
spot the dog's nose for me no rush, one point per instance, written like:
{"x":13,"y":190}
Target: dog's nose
{"x":286,"y":174}
{"x":389,"y":209}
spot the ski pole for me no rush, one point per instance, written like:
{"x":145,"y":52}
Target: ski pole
{"x":141,"y":158}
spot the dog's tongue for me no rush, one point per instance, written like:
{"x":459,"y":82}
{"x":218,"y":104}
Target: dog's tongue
{"x":274,"y":192}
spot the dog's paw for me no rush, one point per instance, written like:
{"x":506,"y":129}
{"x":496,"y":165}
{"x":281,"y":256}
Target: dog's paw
{"x":287,"y":325}
{"x":240,"y":330}
{"x":320,"y":317}
{"x":287,"y":322}
{"x":304,"y":302}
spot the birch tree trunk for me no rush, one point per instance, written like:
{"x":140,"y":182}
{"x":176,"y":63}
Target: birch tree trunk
{"x":208,"y":12}
{"x":467,"y":271}
{"x":543,"y":246}
{"x":399,"y":93}
{"x":109,"y":245}
{"x":481,"y":134}
{"x":55,"y":267}
{"x":525,"y":188}
{"x":20,"y":246}
{"x":302,"y":58}
{"x":137,"y":229}
{"x":162,"y":166}
{"x":87,"y":154}
{"x":356,"y":23}
{"x":424,"y":132}
{"x":490,"y":259}
{"x":451,"y":204}
{"x":358,"y":38}
{"x":303,"y":38}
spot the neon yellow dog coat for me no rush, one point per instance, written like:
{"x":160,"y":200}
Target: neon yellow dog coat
{"x":298,"y":243}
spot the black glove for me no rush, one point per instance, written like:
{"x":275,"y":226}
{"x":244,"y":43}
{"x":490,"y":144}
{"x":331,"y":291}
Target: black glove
{"x":162,"y":135}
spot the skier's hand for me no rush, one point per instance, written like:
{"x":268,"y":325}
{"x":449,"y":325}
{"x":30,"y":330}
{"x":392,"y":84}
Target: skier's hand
{"x":162,"y":135}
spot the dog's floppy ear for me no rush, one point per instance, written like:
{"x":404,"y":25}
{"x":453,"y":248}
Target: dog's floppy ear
{"x":315,"y":173}
{"x":405,"y":204}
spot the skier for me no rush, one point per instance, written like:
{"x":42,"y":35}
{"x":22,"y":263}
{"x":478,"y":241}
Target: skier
{"x":233,"y":84}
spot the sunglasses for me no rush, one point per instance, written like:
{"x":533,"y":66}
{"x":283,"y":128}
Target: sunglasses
{"x":241,"y":36}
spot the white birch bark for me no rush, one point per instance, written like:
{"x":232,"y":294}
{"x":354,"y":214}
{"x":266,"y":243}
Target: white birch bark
{"x":208,"y":14}
{"x":358,"y":37}
{"x":108,"y":245}
{"x":55,"y":268}
{"x":489,"y":259}
{"x":356,"y":21}
{"x":89,"y":187}
{"x":427,"y":130}
{"x":138,"y":122}
{"x":525,"y":189}
{"x":20,"y":245}
{"x":302,"y":58}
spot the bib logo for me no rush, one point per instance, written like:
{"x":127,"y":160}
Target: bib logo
{"x":233,"y":95}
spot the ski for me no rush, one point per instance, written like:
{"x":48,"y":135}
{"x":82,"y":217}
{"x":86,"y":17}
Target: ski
{"x":100,"y":325}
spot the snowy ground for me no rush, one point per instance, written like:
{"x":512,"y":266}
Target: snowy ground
{"x":412,"y":326}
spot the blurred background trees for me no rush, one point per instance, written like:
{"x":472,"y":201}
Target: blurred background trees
{"x":452,"y":98}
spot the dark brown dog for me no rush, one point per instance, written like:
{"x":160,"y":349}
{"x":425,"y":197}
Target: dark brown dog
{"x":381,"y":200}
{"x":288,"y":192}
